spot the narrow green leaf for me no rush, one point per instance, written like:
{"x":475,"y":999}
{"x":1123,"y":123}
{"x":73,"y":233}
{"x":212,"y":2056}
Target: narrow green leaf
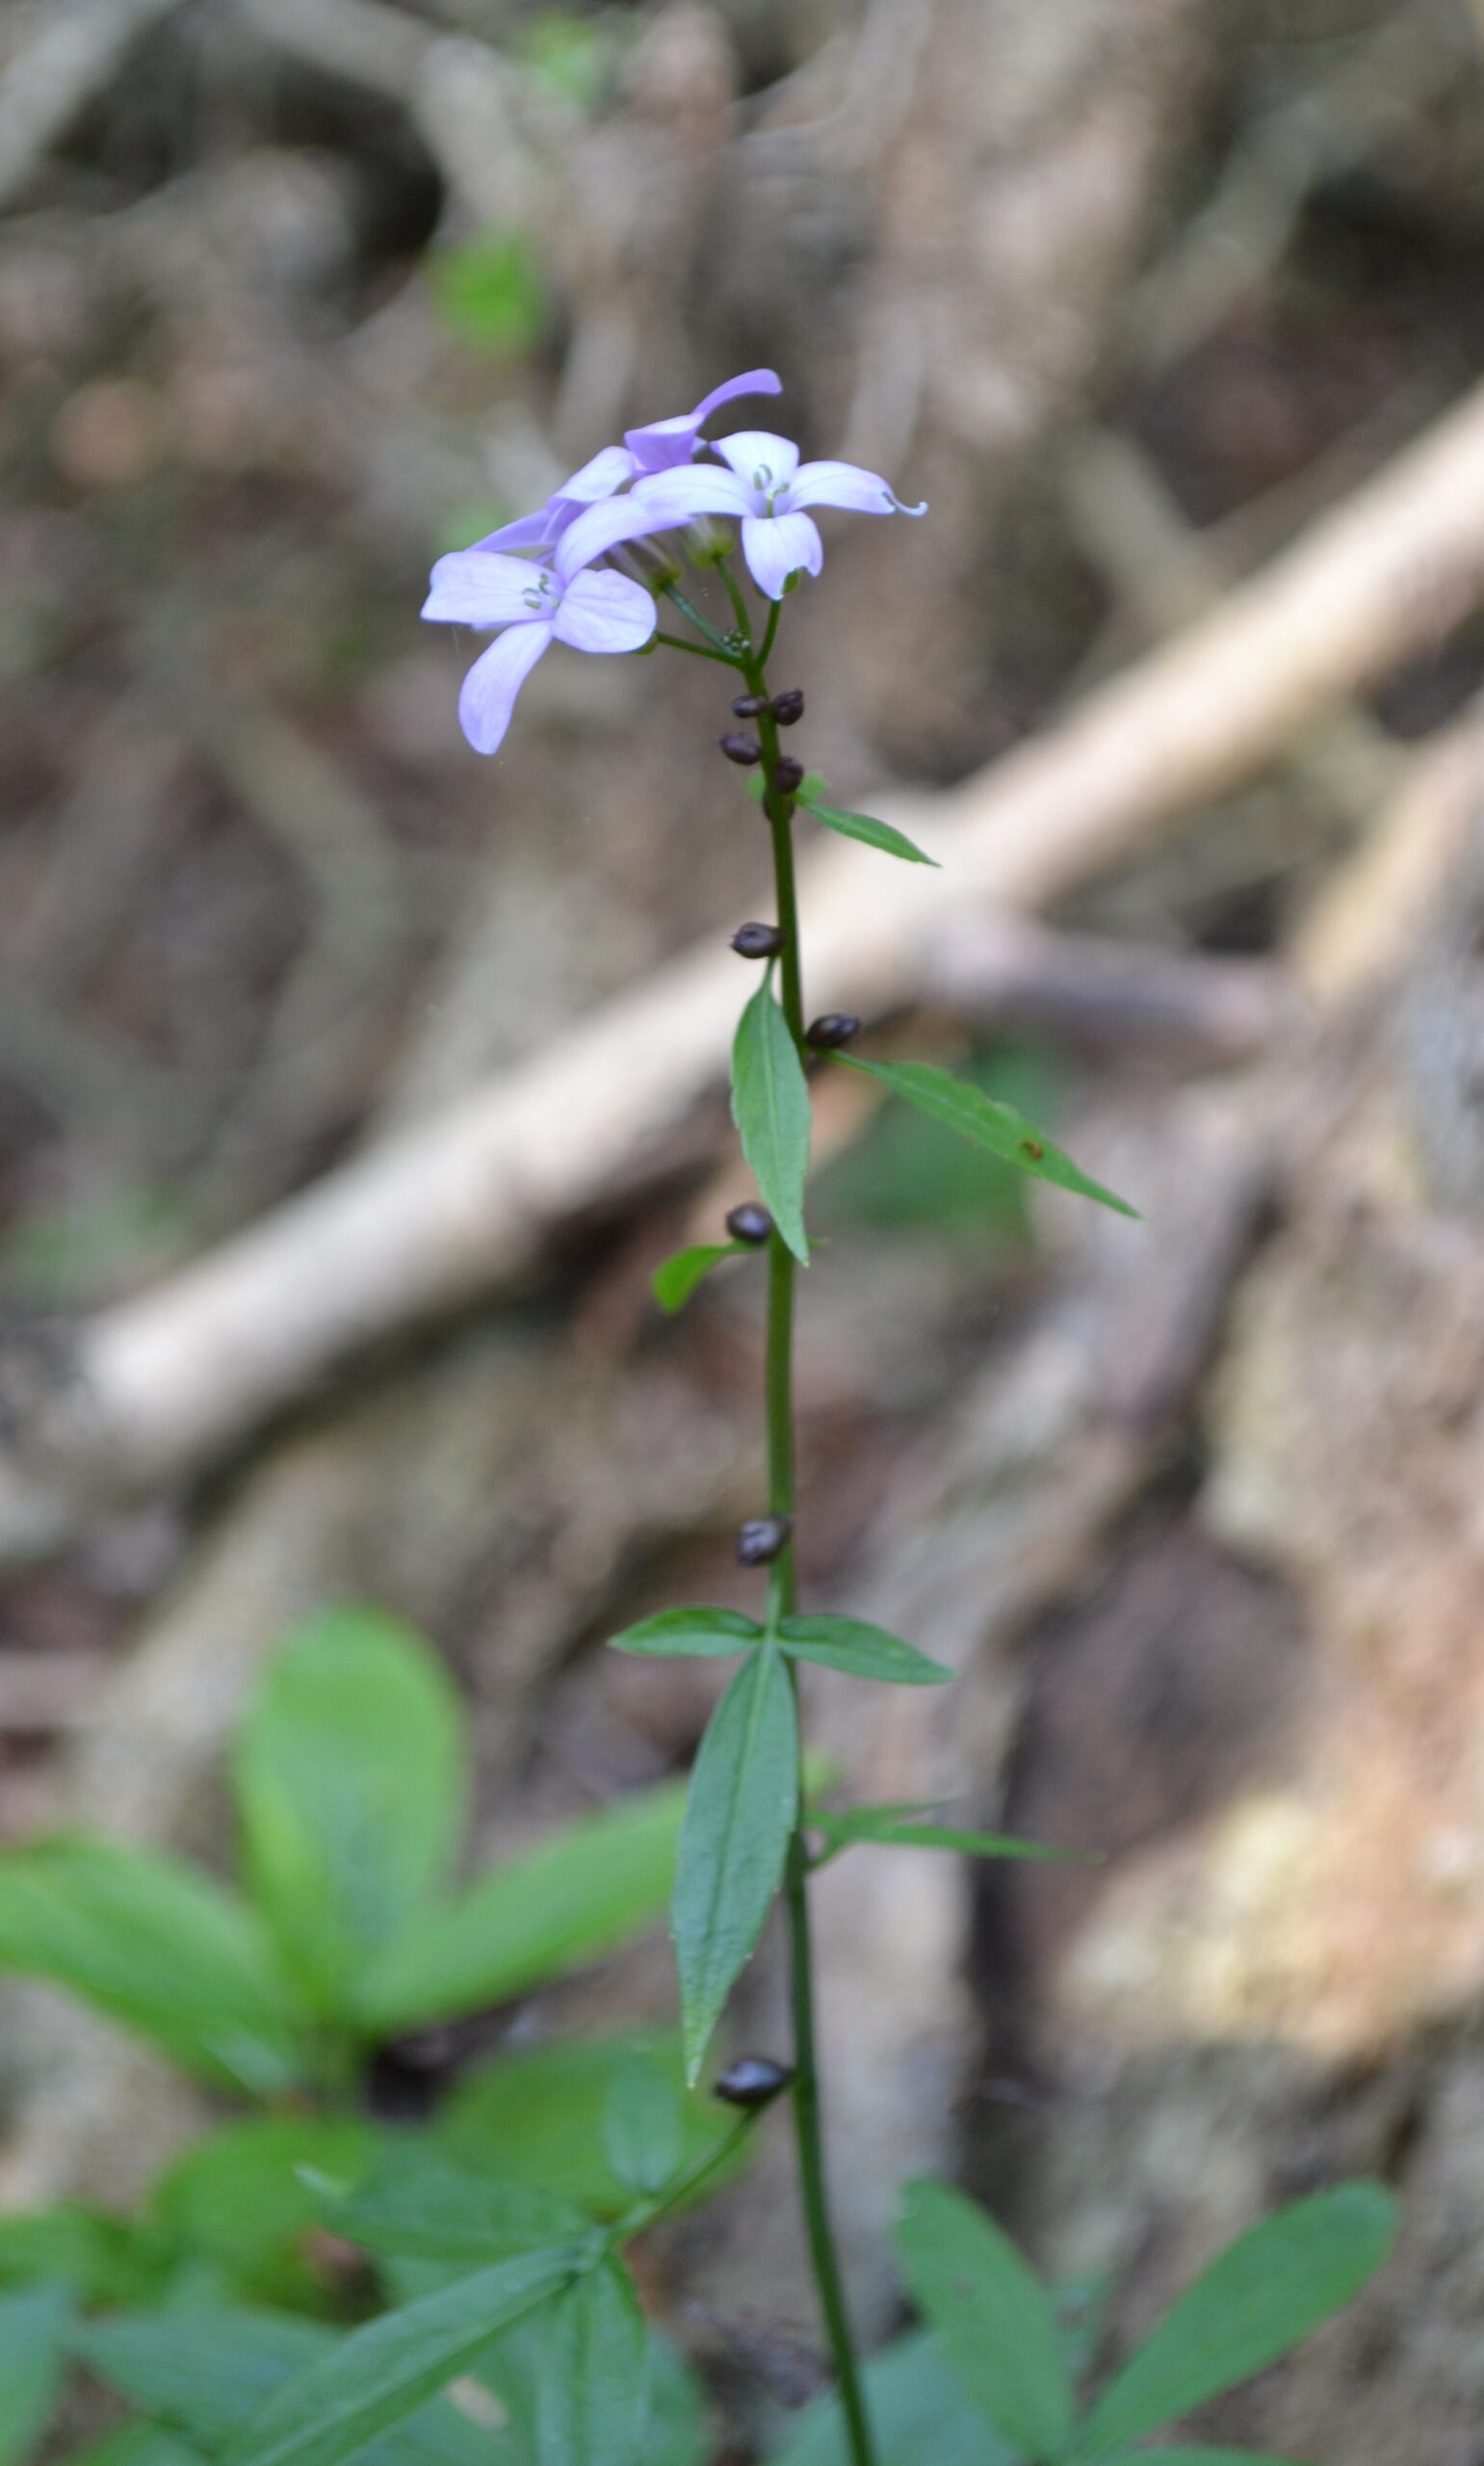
{"x":1261,"y":2295}
{"x":593,"y":2400}
{"x":676,"y":1277}
{"x":866,"y":1652}
{"x":238,"y":2199}
{"x":588,"y":1888}
{"x":382,"y":2374}
{"x":894,"y":1829}
{"x":703,"y":1634}
{"x":771,"y":1108}
{"x":987,"y":1122}
{"x":33,"y":2333}
{"x":994,"y":2317}
{"x":644,"y":2127}
{"x":863,"y":826}
{"x":419,"y":2202}
{"x":740,"y":1810}
{"x":158,"y":1946}
{"x":352,"y":1778}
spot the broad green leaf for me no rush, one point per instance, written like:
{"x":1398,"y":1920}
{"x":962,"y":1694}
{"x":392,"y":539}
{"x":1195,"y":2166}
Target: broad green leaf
{"x":352,"y":1778}
{"x":33,"y":2352}
{"x":866,"y":1652}
{"x":999,"y":1127}
{"x":743,"y":1802}
{"x":588,"y":1888}
{"x":894,"y":1828}
{"x":676,"y":1277}
{"x":382,"y":2374}
{"x":593,"y":2401}
{"x":158,"y":1946}
{"x":72,"y":2245}
{"x":995,"y":2319}
{"x":1261,"y":2295}
{"x":237,"y":2197}
{"x":864,"y":827}
{"x":703,"y":1634}
{"x":644,"y":2126}
{"x":919,"y":2416}
{"x":490,"y":290}
{"x":420,"y":2203}
{"x":771,"y":1108}
{"x":541,"y":2115}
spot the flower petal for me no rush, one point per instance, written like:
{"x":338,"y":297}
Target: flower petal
{"x":479,"y":586}
{"x":656,"y":504}
{"x":777,"y":545}
{"x":603,"y":477}
{"x":528,"y":530}
{"x":490,"y":687}
{"x":760,"y":460}
{"x":605,"y":612}
{"x":667,"y":445}
{"x":845,"y":484}
{"x":757,"y":380}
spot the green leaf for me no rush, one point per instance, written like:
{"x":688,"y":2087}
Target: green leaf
{"x":866,"y":1652}
{"x":382,"y":2374}
{"x":999,"y":1127}
{"x":159,"y":1948}
{"x":593,"y":2400}
{"x":996,"y":2320}
{"x":1261,"y":2295}
{"x":676,"y":1277}
{"x":586,"y":1889}
{"x":703,"y":1634}
{"x":352,"y":1778}
{"x":771,"y":1108}
{"x":862,"y":825}
{"x":894,"y":1829}
{"x":70,"y":2244}
{"x":919,"y":2416}
{"x":33,"y":2336}
{"x":490,"y":291}
{"x":238,"y":2198}
{"x":644,"y":2126}
{"x":812,"y":784}
{"x":541,"y":2115}
{"x":420,"y":2203}
{"x":740,"y":1810}
{"x":137,"y":2445}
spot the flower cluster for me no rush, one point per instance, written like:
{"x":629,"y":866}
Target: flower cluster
{"x":540,"y":579}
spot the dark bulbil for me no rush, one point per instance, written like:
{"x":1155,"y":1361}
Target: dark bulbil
{"x":748,"y":1223}
{"x":743,"y":749}
{"x":757,"y":941}
{"x":763,"y":1539}
{"x":752,"y":2081}
{"x":835,"y":1028}
{"x":750,"y":706}
{"x":788,"y":775}
{"x":787,"y":708}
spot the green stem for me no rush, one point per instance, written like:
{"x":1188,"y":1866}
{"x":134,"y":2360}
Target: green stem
{"x":814,"y":2188}
{"x":680,"y":601}
{"x":698,"y":650}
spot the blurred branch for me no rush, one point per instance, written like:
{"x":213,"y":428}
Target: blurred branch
{"x":55,"y":77}
{"x":453,"y":1208}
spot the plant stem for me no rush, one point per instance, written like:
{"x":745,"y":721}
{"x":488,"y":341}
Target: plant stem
{"x":814,"y":2190}
{"x":698,"y":650}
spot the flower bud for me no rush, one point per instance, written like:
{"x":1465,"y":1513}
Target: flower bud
{"x":752,"y":2081}
{"x":744,"y":750}
{"x":749,"y":706}
{"x":757,"y":941}
{"x":763,"y":1539}
{"x":788,"y":775}
{"x":707,"y":542}
{"x":835,"y":1027}
{"x":787,"y":708}
{"x":748,"y":1223}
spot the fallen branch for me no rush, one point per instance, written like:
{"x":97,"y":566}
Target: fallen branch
{"x":53,"y":80}
{"x":448,"y":1210}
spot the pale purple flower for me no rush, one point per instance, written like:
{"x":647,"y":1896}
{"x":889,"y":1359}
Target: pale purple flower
{"x":766,"y":489}
{"x":534,"y":605}
{"x":663,"y":446}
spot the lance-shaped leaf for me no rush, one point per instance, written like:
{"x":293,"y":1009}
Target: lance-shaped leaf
{"x":1261,"y":2295}
{"x":995,"y":2320}
{"x":644,"y":2126}
{"x":896,"y":1828}
{"x":676,"y":1277}
{"x":700,"y":1634}
{"x":853,"y":1645}
{"x":33,"y":2330}
{"x":593,"y":2400}
{"x":350,"y":1774}
{"x":419,"y":2202}
{"x":382,"y":2374}
{"x":865,"y":827}
{"x":771,"y":1108}
{"x":740,"y":1810}
{"x":987,"y":1122}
